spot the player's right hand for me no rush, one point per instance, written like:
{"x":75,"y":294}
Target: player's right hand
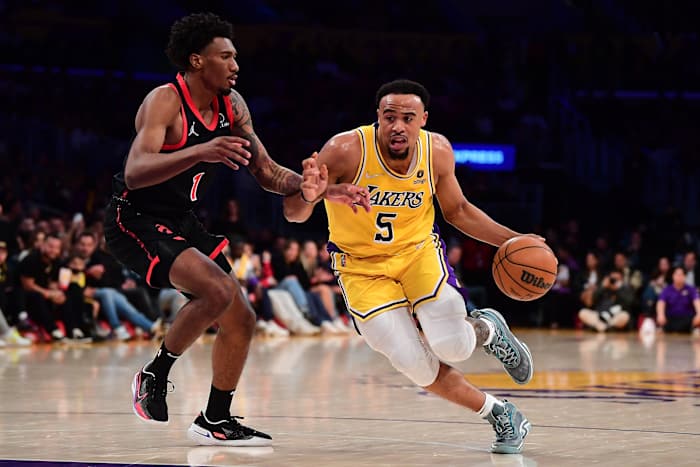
{"x":315,"y":178}
{"x":228,"y":150}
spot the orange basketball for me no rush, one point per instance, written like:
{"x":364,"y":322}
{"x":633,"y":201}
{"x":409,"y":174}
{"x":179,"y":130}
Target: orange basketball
{"x":524,"y":268}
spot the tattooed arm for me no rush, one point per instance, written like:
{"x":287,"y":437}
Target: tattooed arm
{"x":277,"y":179}
{"x":269,"y":174}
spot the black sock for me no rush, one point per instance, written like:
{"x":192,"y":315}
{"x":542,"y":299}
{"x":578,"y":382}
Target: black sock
{"x":161,"y":364}
{"x":219,"y":405}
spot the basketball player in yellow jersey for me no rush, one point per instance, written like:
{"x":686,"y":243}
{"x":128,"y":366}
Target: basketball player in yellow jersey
{"x":391,"y":261}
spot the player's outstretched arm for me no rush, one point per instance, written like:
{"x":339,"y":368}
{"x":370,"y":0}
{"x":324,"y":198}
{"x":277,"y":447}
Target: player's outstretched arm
{"x":145,"y":167}
{"x":269,"y":174}
{"x":328,"y":176}
{"x":456,"y":209}
{"x":315,"y":187}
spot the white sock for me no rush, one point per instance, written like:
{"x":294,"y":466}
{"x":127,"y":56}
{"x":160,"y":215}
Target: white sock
{"x":488,"y":405}
{"x":492,"y":330}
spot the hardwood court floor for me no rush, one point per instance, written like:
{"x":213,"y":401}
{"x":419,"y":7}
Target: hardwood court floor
{"x":595,"y":399}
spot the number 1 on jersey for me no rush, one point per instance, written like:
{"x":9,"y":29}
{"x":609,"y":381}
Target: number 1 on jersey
{"x":386,"y":228}
{"x":195,"y":183}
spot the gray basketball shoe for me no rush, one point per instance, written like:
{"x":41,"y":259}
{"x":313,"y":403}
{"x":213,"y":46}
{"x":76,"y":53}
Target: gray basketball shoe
{"x":514,"y":355}
{"x":511,"y":428}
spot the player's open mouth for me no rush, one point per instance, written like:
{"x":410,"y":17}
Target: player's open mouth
{"x":232,"y":80}
{"x":397,"y":143}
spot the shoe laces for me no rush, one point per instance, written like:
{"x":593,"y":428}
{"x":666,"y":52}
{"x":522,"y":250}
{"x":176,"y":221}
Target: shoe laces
{"x":161,"y":389}
{"x":234,"y":421}
{"x":504,"y":426}
{"x":504,"y":351}
{"x":236,"y":425}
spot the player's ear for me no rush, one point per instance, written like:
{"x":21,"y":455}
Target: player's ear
{"x":425,"y":119}
{"x":196,"y":61}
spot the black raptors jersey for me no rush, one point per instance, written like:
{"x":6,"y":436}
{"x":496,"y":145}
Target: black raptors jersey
{"x":181,"y":192}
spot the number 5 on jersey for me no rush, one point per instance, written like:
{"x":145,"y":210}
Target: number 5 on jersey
{"x":386,"y":228}
{"x":195,"y":184}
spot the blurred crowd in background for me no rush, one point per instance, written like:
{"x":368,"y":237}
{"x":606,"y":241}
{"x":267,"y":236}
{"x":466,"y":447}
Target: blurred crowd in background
{"x":602,"y":124}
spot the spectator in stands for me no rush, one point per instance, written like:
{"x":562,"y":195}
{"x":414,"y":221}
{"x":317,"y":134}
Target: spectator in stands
{"x":8,"y":334}
{"x":30,"y":240}
{"x":78,"y":309}
{"x":322,"y":282}
{"x":324,"y":263}
{"x":589,"y":280}
{"x":611,"y":303}
{"x":39,"y":275}
{"x":113,"y":302}
{"x":658,"y":280}
{"x":247,"y":267}
{"x":292,"y":277}
{"x":692,"y":272}
{"x":267,"y":275}
{"x":77,"y":226}
{"x":278,"y":305}
{"x":4,"y":277}
{"x":678,"y":306}
{"x":12,"y":299}
{"x":6,"y":230}
{"x":630,"y":277}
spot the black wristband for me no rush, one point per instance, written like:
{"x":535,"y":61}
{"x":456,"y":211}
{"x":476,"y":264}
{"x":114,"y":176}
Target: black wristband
{"x":301,"y":192}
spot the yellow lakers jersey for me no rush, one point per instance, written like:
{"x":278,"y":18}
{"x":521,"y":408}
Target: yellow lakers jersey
{"x":402,"y":214}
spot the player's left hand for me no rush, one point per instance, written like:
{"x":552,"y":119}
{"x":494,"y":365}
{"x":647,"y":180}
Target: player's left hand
{"x":538,"y":237}
{"x":696,"y":321}
{"x":350,"y":195}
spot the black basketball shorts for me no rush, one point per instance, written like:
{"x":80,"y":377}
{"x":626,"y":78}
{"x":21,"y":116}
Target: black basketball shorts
{"x":148,"y":245}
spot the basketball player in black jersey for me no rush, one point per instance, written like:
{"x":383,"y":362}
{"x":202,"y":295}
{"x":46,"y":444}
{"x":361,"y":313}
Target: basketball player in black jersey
{"x":186,"y":129}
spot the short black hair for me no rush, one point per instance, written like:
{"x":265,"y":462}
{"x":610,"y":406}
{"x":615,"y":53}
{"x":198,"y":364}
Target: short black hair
{"x":53,"y":235}
{"x":73,"y":255}
{"x":191,"y":34}
{"x":404,"y":86}
{"x":87,"y":233}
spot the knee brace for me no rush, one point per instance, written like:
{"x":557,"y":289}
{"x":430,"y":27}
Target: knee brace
{"x":443,"y":321}
{"x":394,"y":335}
{"x":417,"y":362}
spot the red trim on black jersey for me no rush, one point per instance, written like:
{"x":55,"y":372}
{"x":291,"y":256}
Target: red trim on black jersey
{"x":131,"y":234}
{"x":153,"y":264}
{"x":229,"y":109}
{"x":183,"y":139}
{"x":188,"y":98}
{"x":218,"y":249}
{"x":153,"y":260}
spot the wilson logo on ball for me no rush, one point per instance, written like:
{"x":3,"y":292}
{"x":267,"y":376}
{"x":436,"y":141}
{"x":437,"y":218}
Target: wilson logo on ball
{"x":529,"y":278}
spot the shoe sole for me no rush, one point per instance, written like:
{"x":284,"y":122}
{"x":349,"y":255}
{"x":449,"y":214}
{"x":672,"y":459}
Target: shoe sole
{"x":133,"y":405}
{"x":204,"y":437}
{"x":522,"y":344}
